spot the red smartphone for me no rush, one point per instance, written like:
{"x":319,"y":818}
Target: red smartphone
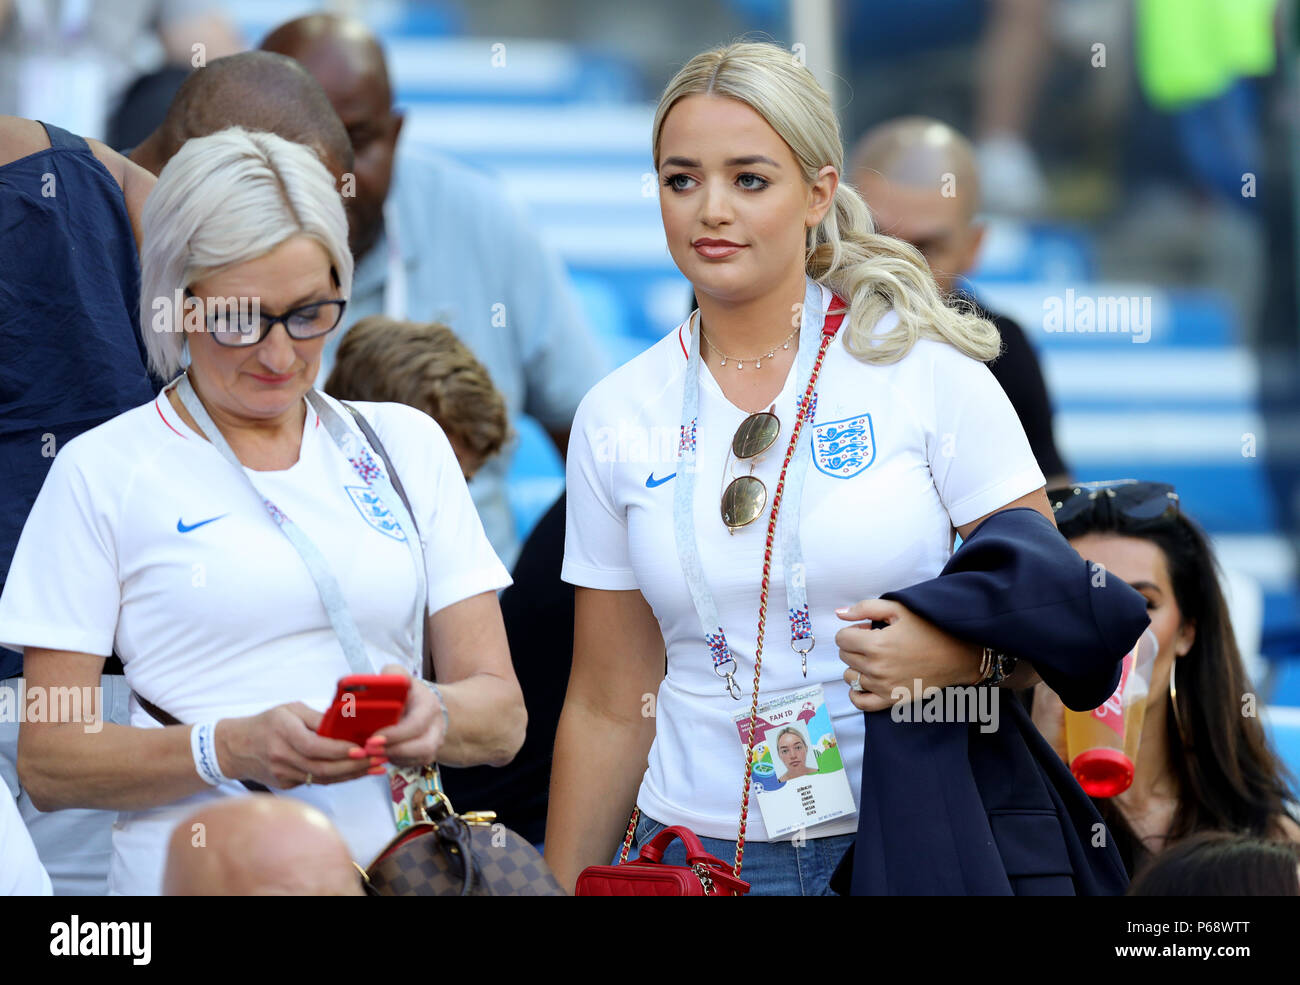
{"x":363,"y":704}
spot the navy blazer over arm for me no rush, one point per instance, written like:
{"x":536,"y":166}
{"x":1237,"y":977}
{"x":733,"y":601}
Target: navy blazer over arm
{"x":950,"y":809}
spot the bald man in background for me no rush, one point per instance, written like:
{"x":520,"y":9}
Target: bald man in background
{"x":259,"y":845}
{"x":256,"y":90}
{"x":437,"y":241}
{"x":919,"y":179}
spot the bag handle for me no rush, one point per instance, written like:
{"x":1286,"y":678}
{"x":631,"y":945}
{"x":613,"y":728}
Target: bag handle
{"x":653,"y":850}
{"x":711,"y":871}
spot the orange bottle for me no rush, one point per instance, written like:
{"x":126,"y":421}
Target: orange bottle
{"x":1103,"y":743}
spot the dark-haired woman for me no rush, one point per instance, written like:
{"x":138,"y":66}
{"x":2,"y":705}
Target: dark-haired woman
{"x":1219,"y":863}
{"x":1204,"y":762}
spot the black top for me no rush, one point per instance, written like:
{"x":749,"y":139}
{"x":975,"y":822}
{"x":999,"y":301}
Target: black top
{"x":538,"y":612}
{"x":70,"y":354}
{"x":1021,"y":377}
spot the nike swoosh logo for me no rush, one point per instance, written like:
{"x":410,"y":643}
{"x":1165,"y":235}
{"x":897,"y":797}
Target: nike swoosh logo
{"x":182,"y":528}
{"x":651,"y":481}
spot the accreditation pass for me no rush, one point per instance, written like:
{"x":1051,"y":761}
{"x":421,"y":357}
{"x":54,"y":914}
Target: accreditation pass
{"x":799,"y":777}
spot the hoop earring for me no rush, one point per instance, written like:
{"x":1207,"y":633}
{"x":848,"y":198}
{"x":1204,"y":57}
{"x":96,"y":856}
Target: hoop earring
{"x":1173,"y":700}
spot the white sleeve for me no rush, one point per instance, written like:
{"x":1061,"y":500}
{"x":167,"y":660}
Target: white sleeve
{"x":979,"y":456}
{"x":458,"y":558}
{"x":21,"y":872}
{"x":595,"y":534}
{"x":63,"y":591}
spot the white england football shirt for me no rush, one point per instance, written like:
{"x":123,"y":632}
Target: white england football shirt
{"x":144,"y":540}
{"x":932,"y":443}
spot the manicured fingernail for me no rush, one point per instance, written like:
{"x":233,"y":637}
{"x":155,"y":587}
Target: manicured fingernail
{"x":375,"y":770}
{"x":842,"y":612}
{"x":356,"y":754}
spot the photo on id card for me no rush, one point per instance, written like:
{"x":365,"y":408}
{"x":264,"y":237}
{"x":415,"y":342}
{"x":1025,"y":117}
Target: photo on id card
{"x":799,"y":777}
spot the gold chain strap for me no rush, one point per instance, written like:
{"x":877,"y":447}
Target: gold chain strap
{"x":762,"y":625}
{"x":762,"y":605}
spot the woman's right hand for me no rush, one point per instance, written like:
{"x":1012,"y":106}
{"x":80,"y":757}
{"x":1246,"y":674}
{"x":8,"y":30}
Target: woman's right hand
{"x":280,"y":748}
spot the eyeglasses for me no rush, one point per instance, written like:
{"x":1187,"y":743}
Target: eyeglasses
{"x":1122,"y":504}
{"x":233,"y":324}
{"x":744,"y":498}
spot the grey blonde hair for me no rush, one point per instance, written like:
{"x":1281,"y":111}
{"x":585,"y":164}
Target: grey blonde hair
{"x":870,"y":271}
{"x":225,"y":199}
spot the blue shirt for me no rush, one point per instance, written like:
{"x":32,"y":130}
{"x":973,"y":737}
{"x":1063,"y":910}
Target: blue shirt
{"x":71,"y":356}
{"x":472,"y":261}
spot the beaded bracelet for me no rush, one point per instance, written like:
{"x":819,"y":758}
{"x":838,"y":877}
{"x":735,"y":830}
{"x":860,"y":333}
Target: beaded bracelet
{"x":446,"y":719}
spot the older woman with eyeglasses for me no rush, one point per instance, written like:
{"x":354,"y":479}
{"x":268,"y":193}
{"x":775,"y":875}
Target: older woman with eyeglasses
{"x":1202,"y":765}
{"x":240,"y":543}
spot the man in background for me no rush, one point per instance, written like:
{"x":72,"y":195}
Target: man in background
{"x":920,"y":180}
{"x":256,"y":90}
{"x":436,"y":241}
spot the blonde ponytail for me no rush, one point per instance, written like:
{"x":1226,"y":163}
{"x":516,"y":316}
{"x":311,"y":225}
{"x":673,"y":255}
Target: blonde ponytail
{"x":874,"y":273}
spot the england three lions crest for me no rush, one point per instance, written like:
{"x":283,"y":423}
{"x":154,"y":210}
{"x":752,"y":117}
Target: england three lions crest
{"x":375,"y":513}
{"x":844,"y":448}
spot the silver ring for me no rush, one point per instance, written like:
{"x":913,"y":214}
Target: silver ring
{"x":857,"y":685}
{"x":308,"y":782}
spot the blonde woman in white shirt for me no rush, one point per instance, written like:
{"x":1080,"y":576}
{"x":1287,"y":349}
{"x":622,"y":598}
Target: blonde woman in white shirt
{"x":906,"y":437}
{"x":161,"y":536}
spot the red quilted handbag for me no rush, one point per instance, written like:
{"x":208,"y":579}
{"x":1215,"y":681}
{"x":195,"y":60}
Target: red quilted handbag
{"x":646,"y":875}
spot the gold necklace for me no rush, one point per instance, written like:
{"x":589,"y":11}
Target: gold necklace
{"x":756,"y":360}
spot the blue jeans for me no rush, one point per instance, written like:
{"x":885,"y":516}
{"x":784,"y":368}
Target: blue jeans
{"x":772,"y":868}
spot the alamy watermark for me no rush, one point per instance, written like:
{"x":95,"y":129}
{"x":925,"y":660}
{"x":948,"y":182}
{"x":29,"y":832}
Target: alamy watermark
{"x":186,"y":313}
{"x":1086,"y":314}
{"x":969,"y":703}
{"x":636,"y":443}
{"x":102,"y":938}
{"x":83,"y":706}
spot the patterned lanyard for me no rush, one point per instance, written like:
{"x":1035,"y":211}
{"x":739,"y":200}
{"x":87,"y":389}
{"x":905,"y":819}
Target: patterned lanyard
{"x":381,"y":494}
{"x":816,"y":301}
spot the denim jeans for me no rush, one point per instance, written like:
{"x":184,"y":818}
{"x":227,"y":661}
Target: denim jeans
{"x":772,"y":868}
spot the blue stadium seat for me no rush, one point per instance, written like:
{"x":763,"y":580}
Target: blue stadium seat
{"x":1017,"y":252}
{"x":1283,"y":726}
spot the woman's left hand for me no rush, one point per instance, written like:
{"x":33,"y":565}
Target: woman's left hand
{"x":910,"y":648}
{"x":417,"y":737}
